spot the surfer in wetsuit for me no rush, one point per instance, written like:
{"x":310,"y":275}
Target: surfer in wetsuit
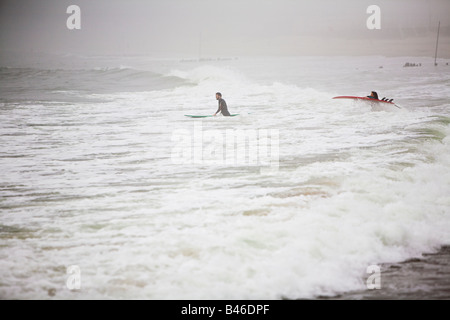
{"x":222,"y":105}
{"x":373,"y":95}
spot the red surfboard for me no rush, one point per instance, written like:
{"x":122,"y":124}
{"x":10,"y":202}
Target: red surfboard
{"x":363,"y":98}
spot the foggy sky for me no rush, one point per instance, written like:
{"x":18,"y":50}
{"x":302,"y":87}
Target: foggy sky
{"x":225,"y":28}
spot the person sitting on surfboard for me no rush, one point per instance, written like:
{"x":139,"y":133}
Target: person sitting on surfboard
{"x":373,"y":95}
{"x":222,"y":105}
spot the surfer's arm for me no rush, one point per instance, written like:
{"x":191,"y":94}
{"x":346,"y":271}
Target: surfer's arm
{"x":219,"y":110}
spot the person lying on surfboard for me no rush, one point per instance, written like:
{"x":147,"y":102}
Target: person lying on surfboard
{"x":222,"y":105}
{"x":374,"y":95}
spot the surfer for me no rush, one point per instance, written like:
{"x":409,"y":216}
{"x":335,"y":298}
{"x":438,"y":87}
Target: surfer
{"x":373,"y":95}
{"x":222,"y":105}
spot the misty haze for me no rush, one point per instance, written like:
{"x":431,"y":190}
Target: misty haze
{"x":226,"y":28}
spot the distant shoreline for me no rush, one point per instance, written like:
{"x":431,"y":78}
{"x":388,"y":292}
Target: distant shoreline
{"x":6,"y":54}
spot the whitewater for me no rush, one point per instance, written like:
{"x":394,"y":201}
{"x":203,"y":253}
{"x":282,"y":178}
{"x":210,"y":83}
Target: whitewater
{"x":98,"y":171}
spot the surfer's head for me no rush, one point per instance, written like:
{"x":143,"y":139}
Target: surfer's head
{"x":218,"y":95}
{"x":374,"y":94}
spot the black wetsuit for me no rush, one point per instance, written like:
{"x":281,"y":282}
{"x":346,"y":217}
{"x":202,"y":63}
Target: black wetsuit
{"x":223,"y":107}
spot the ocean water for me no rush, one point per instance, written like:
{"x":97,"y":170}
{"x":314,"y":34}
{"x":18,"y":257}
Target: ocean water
{"x":293,"y":199}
